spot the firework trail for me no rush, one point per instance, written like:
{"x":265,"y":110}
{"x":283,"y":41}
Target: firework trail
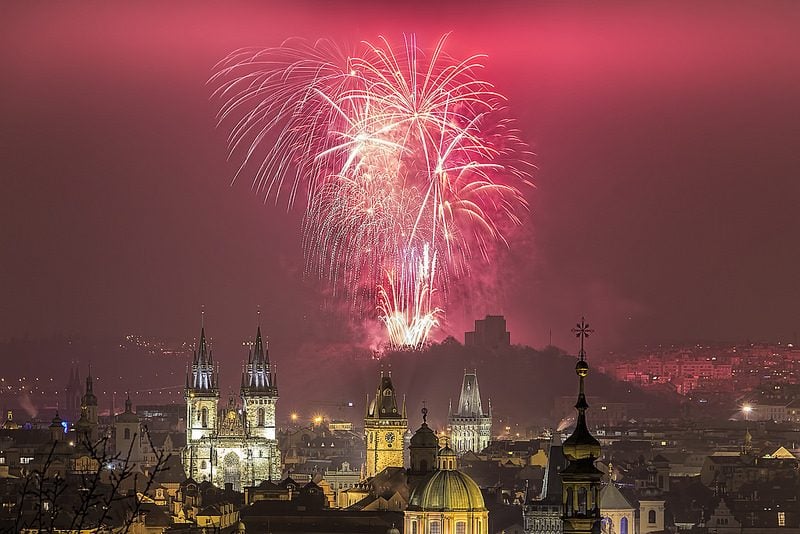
{"x":406,"y":163}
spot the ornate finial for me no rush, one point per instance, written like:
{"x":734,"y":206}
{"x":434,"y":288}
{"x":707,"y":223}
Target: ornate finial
{"x":424,"y":413}
{"x":582,"y":331}
{"x":258,"y":313}
{"x":202,"y":316}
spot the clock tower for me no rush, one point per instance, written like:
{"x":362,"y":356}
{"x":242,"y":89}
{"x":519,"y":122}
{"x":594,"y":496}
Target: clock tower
{"x":385,"y":426}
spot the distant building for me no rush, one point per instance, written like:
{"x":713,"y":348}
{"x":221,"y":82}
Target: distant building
{"x":72,"y":394}
{"x":235,"y":445}
{"x":470,"y":428}
{"x":385,"y":426}
{"x":490,"y":333}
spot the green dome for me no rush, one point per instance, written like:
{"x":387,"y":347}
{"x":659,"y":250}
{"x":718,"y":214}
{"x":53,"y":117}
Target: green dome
{"x":447,"y":491}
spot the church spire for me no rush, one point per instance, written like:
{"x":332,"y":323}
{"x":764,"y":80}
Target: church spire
{"x":581,"y":444}
{"x":258,"y":374}
{"x":581,"y":479}
{"x":203,"y":375}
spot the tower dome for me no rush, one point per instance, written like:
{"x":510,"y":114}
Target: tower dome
{"x":447,"y":489}
{"x":424,"y":437}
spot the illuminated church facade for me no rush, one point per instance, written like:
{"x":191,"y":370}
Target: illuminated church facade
{"x":235,"y":443}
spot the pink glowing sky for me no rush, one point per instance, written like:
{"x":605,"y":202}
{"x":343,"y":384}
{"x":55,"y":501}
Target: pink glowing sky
{"x":665,"y":134}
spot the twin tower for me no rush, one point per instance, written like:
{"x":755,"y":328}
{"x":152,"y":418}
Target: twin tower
{"x":231,"y":444}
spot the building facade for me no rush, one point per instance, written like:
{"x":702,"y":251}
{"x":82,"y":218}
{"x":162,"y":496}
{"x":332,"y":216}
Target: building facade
{"x":233,"y":444}
{"x":469,"y":427}
{"x":445,"y":500}
{"x":385,"y":426}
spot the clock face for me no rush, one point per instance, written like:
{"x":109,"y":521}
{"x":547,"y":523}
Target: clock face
{"x":389,"y":438}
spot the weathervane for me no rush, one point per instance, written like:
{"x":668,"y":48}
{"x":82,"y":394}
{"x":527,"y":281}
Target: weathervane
{"x":582,"y":331}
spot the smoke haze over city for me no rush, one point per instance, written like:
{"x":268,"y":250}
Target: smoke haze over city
{"x":665,"y":152}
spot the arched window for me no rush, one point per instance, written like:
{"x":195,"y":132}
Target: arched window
{"x":203,"y":464}
{"x":413,"y":527}
{"x":204,"y":417}
{"x":261,"y":417}
{"x":127,"y":433}
{"x":461,"y":527}
{"x":582,"y":493}
{"x":623,"y":525}
{"x":651,"y":517}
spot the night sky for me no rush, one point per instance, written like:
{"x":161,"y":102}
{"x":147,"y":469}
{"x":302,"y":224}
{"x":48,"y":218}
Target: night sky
{"x":666,"y":141}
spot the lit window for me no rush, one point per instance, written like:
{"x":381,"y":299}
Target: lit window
{"x":781,"y":519}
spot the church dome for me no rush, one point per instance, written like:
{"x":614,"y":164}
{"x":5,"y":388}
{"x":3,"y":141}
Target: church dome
{"x":581,"y":445}
{"x":424,"y":437}
{"x":447,"y":491}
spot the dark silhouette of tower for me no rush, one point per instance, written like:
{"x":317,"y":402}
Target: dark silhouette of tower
{"x":580,"y":480}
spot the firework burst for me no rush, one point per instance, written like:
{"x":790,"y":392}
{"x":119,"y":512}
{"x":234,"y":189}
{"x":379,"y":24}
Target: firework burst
{"x":406,"y":163}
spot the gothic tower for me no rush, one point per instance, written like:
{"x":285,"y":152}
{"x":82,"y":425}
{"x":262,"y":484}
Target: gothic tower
{"x":385,"y":426}
{"x":86,"y":425}
{"x":259,"y":395}
{"x":202,"y":400}
{"x":470,"y":428}
{"x":580,"y":480}
{"x":73,"y":396}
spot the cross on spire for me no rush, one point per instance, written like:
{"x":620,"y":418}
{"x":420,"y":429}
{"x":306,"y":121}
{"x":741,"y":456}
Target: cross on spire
{"x":202,"y":316}
{"x":582,"y":331}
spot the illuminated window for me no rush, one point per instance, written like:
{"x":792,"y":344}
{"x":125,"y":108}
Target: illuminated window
{"x":461,"y":527}
{"x":781,"y":519}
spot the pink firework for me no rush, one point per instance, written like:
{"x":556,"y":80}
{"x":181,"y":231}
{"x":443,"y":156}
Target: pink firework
{"x":406,"y":162}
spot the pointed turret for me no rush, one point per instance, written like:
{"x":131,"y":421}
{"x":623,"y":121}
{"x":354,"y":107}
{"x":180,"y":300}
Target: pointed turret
{"x":384,"y":406}
{"x":257,"y":370}
{"x":204,"y":376}
{"x":469,"y":403}
{"x":469,"y":427}
{"x":581,"y":479}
